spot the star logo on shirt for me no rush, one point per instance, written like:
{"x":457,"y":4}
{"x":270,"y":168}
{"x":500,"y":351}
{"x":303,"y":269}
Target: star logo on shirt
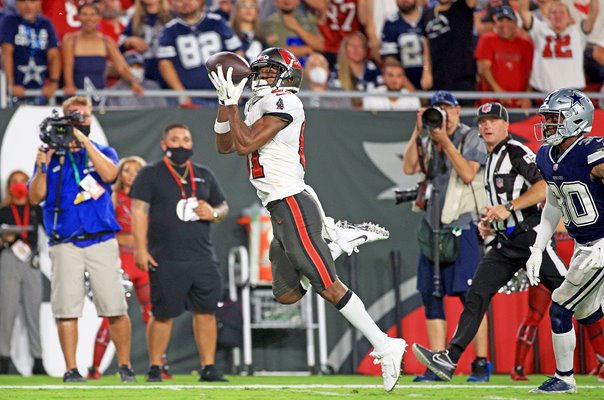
{"x":32,"y":72}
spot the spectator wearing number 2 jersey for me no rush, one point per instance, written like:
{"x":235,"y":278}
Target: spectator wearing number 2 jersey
{"x":559,"y":46}
{"x":187,"y":42}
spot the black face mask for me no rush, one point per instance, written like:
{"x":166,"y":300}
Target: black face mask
{"x":85,"y":129}
{"x":178,"y":155}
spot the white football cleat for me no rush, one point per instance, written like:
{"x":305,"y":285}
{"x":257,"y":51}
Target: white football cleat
{"x":350,"y":236}
{"x":391,"y":361}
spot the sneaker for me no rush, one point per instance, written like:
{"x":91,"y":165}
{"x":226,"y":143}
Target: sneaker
{"x":210,"y":373}
{"x":557,"y":385}
{"x":93,"y":374}
{"x":436,"y":361}
{"x":350,"y":236}
{"x":154,"y":374}
{"x":165,"y":372}
{"x":38,"y":368}
{"x":126,"y":373}
{"x":72,"y":376}
{"x":481,"y":371}
{"x":391,"y":361}
{"x":518,"y":373}
{"x":428,"y":376}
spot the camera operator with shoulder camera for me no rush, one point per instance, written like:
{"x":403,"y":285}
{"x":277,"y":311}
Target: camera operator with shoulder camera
{"x":73,"y":176}
{"x":450,"y":157}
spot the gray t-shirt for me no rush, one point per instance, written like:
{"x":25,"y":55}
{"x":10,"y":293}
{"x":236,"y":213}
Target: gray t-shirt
{"x":474,"y":149}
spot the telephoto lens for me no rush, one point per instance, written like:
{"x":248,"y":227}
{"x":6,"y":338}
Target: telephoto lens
{"x":433,"y":117}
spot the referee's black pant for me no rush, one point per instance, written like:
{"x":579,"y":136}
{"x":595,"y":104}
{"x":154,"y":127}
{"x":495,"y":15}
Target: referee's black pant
{"x":496,"y":268}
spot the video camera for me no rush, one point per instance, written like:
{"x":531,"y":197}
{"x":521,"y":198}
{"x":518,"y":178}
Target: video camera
{"x":57,"y":131}
{"x":433,"y":117}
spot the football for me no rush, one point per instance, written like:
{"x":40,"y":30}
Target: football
{"x":241,"y":68}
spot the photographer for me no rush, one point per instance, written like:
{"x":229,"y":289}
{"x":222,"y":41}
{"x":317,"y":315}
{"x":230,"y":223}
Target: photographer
{"x":73,"y":177}
{"x":451,"y":153}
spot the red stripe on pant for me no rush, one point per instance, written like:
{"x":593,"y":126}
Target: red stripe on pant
{"x":306,"y":242}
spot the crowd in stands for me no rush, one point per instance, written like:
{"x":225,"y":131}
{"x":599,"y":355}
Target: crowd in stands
{"x":458,"y":45}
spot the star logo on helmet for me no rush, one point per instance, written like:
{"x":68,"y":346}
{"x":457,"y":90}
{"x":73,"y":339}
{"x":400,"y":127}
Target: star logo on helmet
{"x":576,"y":99}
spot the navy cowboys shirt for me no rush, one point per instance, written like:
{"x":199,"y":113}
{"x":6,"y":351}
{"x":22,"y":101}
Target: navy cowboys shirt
{"x":580,"y":198}
{"x":31,"y":41}
{"x":189,"y":46}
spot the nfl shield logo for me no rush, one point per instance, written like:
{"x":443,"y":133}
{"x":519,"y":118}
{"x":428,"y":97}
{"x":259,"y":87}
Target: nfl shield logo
{"x":486,"y":107}
{"x":499,"y":182}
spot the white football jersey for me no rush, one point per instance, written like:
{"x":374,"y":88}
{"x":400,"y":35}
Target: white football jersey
{"x":558,"y":59}
{"x":277,"y":169}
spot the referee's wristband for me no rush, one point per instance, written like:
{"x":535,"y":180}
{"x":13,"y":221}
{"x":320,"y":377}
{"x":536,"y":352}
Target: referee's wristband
{"x":222,"y":127}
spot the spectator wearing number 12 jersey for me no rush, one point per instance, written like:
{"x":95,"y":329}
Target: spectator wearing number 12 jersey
{"x":559,"y":45}
{"x":187,"y":42}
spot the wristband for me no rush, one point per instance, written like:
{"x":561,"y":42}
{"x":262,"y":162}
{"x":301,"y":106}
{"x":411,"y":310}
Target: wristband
{"x":222,"y":127}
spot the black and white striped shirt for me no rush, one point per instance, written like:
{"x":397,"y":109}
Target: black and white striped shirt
{"x":511,"y":171}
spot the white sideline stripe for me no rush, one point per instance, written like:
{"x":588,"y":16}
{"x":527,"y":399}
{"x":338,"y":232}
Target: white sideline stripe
{"x":319,"y":386}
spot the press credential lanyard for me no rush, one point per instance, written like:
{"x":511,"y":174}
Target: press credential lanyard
{"x":76,"y":172}
{"x":17,"y":217}
{"x":177,"y":179}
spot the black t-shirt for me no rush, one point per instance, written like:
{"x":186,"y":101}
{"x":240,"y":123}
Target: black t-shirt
{"x":169,"y":237}
{"x":450,"y":34}
{"x":35,"y":219}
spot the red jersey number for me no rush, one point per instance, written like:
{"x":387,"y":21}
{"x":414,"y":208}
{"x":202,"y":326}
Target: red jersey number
{"x":557,"y":47}
{"x":255,"y":166}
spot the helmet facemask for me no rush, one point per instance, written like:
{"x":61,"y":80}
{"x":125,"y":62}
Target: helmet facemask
{"x":564,"y":113}
{"x":260,"y":79}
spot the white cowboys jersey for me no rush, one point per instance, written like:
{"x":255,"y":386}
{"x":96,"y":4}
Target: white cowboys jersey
{"x":277,"y":169}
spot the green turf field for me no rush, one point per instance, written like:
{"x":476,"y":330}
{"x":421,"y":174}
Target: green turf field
{"x":186,"y":387}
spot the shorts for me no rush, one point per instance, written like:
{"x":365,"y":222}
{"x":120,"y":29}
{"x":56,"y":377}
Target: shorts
{"x":582,"y":291}
{"x":455,"y":278}
{"x":298,"y":248}
{"x":102,"y":262}
{"x":178,"y":286}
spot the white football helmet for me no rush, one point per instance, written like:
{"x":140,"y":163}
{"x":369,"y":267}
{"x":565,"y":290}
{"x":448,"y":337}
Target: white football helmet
{"x":564,"y":113}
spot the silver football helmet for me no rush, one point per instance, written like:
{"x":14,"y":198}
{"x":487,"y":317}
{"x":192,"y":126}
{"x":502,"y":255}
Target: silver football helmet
{"x":564,"y":113}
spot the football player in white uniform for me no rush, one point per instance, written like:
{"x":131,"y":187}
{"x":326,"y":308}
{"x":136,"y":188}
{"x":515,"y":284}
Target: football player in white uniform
{"x":272,"y":139}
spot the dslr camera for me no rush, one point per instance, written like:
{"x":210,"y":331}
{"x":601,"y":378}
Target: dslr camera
{"x":433,"y":117}
{"x":57,"y":131}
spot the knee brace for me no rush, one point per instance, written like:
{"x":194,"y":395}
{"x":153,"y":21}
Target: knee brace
{"x":561,"y":318}
{"x":595,"y":317}
{"x":433,"y":306}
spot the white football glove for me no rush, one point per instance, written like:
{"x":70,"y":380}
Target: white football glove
{"x":595,"y":259}
{"x":228,"y":93}
{"x":533,"y":265}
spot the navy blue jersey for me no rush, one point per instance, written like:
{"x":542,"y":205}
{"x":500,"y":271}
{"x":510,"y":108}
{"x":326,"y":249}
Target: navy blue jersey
{"x":150,"y":33}
{"x":371,"y":79}
{"x":404,"y":41}
{"x":251,"y":46}
{"x":580,"y":198}
{"x":31,"y":41}
{"x":189,"y":46}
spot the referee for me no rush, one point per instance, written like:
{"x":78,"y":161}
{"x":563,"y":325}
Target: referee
{"x":514,"y":190}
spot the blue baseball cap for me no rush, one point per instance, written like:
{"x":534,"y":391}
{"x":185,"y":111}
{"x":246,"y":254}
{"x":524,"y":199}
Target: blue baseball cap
{"x":443,"y":96}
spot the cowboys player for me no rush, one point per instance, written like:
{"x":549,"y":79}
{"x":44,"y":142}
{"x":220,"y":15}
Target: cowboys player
{"x":272,"y":139}
{"x":573,"y":167}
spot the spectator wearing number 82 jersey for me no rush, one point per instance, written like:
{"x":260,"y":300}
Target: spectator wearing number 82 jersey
{"x":187,"y":42}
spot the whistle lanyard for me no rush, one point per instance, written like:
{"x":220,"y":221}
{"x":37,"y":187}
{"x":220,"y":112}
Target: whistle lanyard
{"x":178,"y":181}
{"x":17,"y":217}
{"x":76,"y":171}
